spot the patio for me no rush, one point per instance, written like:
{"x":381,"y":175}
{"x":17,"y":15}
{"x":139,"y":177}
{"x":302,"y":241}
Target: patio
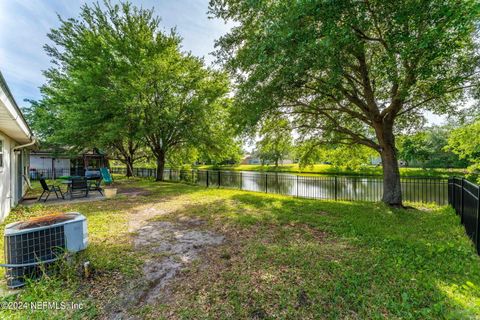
{"x":93,"y":196}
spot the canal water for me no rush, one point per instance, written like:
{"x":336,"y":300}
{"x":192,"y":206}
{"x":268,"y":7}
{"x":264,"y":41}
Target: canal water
{"x":428,"y":190}
{"x":350,"y":188}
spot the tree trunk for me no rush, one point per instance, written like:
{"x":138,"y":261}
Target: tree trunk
{"x":129,"y":164}
{"x":160,"y":165}
{"x":392,"y":191}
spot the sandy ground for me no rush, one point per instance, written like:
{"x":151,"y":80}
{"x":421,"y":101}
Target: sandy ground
{"x":171,"y":247}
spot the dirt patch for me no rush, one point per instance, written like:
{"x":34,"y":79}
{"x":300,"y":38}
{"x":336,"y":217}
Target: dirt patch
{"x":170,"y":248}
{"x":179,"y":245}
{"x":134,"y":191}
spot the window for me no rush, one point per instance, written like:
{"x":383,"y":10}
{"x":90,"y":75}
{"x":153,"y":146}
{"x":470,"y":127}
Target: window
{"x":1,"y":153}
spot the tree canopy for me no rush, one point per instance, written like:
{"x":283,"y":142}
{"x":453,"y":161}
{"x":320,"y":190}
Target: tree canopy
{"x":276,"y":142}
{"x":350,"y":71}
{"x":465,"y":142}
{"x":427,"y":148}
{"x":119,"y":82}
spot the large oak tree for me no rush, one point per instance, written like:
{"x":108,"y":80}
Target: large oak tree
{"x":120,"y":82}
{"x":353,"y":72}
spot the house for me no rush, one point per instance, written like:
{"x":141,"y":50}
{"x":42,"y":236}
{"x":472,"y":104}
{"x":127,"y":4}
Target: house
{"x":51,"y":164}
{"x":16,"y":140}
{"x":250,"y":159}
{"x":254,"y":159}
{"x":48,"y":164}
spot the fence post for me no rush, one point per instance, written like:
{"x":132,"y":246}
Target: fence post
{"x":297,"y":185}
{"x":219,"y":178}
{"x":207,"y":178}
{"x":449,"y":192}
{"x":454,"y":195}
{"x":266,"y":182}
{"x":335,"y":185}
{"x":461,"y":202}
{"x":241,"y":180}
{"x":477,"y":230}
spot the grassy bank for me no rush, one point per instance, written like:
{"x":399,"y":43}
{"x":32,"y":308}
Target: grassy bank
{"x":283,"y":258}
{"x":329,"y":169}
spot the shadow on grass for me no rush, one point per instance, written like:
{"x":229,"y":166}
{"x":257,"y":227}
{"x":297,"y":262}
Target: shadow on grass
{"x":306,"y":258}
{"x":386,"y":263}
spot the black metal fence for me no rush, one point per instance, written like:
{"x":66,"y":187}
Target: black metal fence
{"x":464,"y":197}
{"x":36,"y":174}
{"x":366,"y":188}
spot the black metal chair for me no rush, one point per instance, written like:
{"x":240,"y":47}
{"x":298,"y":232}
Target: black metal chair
{"x":95,"y":185}
{"x":49,"y":189}
{"x":79,"y":188}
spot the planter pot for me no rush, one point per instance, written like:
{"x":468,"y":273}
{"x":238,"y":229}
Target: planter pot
{"x":110,"y":192}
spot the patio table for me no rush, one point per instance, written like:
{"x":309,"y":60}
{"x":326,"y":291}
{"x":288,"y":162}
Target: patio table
{"x":68,"y":177}
{"x":68,"y":182}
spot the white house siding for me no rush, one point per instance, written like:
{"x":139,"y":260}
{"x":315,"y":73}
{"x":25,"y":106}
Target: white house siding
{"x":14,"y":132}
{"x":5,"y":178}
{"x":10,"y":192}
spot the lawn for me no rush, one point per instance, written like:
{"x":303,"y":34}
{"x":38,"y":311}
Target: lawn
{"x":282,"y":257}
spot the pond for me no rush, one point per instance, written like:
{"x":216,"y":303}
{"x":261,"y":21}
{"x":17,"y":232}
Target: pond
{"x":428,"y":190}
{"x":328,"y":187}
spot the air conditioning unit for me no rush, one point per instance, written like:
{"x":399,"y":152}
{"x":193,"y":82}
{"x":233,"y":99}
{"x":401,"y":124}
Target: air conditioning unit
{"x":41,"y":241}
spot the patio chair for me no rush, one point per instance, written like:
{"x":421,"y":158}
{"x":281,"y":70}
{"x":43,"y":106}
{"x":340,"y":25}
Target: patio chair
{"x":47,"y":189}
{"x":79,"y":188}
{"x":94,"y":185}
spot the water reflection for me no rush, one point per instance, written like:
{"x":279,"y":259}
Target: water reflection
{"x":325,"y":187}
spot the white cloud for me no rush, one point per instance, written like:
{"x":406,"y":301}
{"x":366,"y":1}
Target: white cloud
{"x":24,"y":25}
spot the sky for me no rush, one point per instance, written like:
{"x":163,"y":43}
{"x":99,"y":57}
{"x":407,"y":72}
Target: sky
{"x":24,"y":25}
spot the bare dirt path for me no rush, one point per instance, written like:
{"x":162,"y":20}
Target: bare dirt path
{"x":170,"y":247}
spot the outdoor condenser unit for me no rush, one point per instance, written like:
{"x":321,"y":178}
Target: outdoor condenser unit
{"x":41,"y":241}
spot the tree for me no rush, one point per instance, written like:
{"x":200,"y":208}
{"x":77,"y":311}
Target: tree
{"x":119,"y":82}
{"x":351,"y":157}
{"x":183,"y":103}
{"x":87,"y":101}
{"x":275,"y":142}
{"x":465,"y":142}
{"x":350,"y":72}
{"x":427,"y":148}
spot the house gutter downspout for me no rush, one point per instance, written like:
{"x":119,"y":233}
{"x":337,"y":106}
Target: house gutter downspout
{"x":31,"y":143}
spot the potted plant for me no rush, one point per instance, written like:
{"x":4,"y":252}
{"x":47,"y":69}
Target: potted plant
{"x":110,"y":190}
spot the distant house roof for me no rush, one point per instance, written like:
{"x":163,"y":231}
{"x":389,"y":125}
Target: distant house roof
{"x":12,"y":122}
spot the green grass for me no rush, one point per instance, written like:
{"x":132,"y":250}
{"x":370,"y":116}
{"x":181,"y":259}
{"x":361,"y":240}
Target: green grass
{"x":283,"y":258}
{"x":329,"y":169}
